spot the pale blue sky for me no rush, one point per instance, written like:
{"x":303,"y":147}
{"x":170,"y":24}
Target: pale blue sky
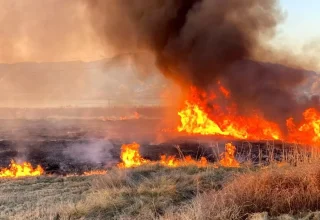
{"x":302,"y":23}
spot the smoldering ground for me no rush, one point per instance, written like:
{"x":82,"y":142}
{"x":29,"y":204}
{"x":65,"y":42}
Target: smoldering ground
{"x":197,"y":42}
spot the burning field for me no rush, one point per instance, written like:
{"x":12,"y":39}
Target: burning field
{"x":198,"y":118}
{"x":237,"y":137}
{"x":72,"y":174}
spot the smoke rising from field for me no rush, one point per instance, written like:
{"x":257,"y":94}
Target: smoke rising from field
{"x":197,"y":42}
{"x":194,"y":41}
{"x":96,"y":151}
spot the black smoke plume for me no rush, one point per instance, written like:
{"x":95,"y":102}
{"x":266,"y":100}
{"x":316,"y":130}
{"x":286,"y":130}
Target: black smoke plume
{"x":197,"y":42}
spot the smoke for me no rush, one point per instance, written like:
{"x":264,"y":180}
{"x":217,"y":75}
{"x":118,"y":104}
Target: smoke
{"x":96,"y":151}
{"x":194,"y":41}
{"x":272,"y":88}
{"x":197,"y":42}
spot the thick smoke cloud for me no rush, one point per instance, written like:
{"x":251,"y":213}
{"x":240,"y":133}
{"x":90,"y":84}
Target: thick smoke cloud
{"x":197,"y":42}
{"x":194,"y":41}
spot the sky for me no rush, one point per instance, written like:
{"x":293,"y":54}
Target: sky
{"x":44,"y":31}
{"x":302,"y":21}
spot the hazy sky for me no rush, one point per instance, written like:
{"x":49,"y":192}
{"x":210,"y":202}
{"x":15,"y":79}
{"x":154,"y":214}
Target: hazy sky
{"x":302,"y":21}
{"x":59,"y":30}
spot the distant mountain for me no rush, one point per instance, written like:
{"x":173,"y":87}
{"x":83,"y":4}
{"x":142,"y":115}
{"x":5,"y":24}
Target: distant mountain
{"x":118,"y":80}
{"x":64,"y":82}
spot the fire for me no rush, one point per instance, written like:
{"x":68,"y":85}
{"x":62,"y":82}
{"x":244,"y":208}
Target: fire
{"x":95,"y":172}
{"x":308,"y":131}
{"x":21,"y":170}
{"x":228,"y":159}
{"x":172,"y":161}
{"x":130,"y":156}
{"x":203,"y":115}
{"x":195,"y":120}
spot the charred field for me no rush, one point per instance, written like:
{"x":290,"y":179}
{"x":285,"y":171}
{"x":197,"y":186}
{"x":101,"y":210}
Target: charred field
{"x":66,"y":148}
{"x":74,"y":146}
{"x":160,"y":110}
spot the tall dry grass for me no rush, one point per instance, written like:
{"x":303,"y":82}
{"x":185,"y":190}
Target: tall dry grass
{"x":289,"y":190}
{"x":146,"y":192}
{"x":289,"y":185}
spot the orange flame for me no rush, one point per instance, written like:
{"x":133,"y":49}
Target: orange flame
{"x":228,"y":159}
{"x":195,"y":120}
{"x":308,"y":131}
{"x":197,"y":117}
{"x":21,"y":170}
{"x":172,"y":161}
{"x":130,"y":156}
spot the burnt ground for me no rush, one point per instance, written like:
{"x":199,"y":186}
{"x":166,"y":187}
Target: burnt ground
{"x":74,"y":146}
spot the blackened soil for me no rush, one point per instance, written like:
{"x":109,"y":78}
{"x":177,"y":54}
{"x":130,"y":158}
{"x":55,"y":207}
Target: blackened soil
{"x":72,"y":147}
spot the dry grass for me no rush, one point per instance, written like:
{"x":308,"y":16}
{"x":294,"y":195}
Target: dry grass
{"x":40,"y":198}
{"x":156,"y":192}
{"x":289,"y":190}
{"x":146,"y":192}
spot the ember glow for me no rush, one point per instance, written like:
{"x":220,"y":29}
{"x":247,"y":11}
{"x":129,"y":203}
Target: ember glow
{"x":195,"y":119}
{"x":228,"y":158}
{"x":21,"y":170}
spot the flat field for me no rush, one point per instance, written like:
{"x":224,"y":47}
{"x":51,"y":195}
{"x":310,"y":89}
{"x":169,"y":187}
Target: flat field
{"x":155,"y":192}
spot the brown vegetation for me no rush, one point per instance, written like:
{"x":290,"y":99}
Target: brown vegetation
{"x":279,"y":191}
{"x":287,"y":190}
